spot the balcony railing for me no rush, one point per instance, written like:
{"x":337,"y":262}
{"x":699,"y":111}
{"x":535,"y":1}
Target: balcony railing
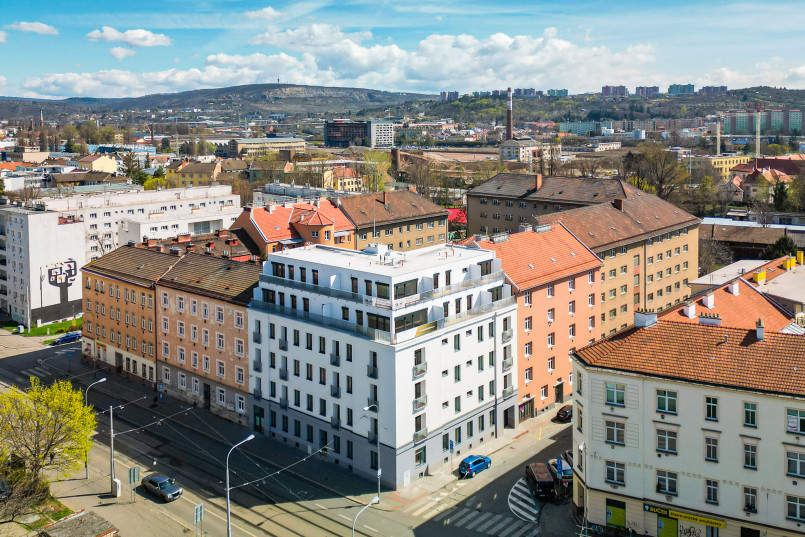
{"x":421,"y":435}
{"x":257,"y":365}
{"x":335,"y":359}
{"x":420,"y":369}
{"x":258,"y":393}
{"x":284,"y":402}
{"x":335,"y":391}
{"x":507,"y":364}
{"x":420,"y":403}
{"x":372,"y":405}
{"x":283,"y":373}
{"x":507,"y":392}
{"x":335,"y":423}
{"x":257,"y":337}
{"x":372,"y":438}
{"x":371,"y":371}
{"x":506,"y":336}
{"x":283,"y":344}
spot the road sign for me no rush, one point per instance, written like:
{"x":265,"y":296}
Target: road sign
{"x":379,"y":472}
{"x":198,"y":514}
{"x":451,"y":446}
{"x":134,"y":475}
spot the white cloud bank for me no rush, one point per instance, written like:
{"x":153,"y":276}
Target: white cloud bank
{"x":133,"y":38}
{"x":267,"y":13}
{"x":121,"y":53}
{"x":35,"y":27}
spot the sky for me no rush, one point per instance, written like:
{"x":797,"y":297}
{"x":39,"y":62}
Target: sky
{"x":120,"y":49}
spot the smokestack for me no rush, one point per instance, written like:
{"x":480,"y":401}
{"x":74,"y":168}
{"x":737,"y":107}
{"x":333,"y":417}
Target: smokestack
{"x":509,"y":118}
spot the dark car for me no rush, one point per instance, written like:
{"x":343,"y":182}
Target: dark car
{"x":567,"y":457}
{"x":473,"y":464}
{"x":66,"y":338}
{"x":539,"y":480}
{"x":162,"y":487}
{"x":561,"y":472}
{"x":564,"y":414}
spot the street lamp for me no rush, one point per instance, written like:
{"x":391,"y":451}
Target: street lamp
{"x":375,"y":500}
{"x":379,"y":470}
{"x":86,"y":457}
{"x":228,"y":510}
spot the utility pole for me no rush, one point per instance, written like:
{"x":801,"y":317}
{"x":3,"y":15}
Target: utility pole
{"x":113,"y":486}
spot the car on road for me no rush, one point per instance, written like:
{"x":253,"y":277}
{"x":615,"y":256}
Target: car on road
{"x":567,"y":458}
{"x":564,"y":414}
{"x":473,"y":464}
{"x":66,"y":338}
{"x":162,"y":487}
{"x":539,"y":480}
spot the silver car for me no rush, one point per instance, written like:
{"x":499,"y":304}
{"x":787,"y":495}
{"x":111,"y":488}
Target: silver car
{"x":161,"y":486}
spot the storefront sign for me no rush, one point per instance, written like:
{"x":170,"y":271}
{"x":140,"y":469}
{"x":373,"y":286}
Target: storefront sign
{"x":688,"y":517}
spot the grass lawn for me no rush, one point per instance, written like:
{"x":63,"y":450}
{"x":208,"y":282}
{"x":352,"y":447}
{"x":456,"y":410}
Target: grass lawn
{"x":55,"y":328}
{"x":49,"y":511}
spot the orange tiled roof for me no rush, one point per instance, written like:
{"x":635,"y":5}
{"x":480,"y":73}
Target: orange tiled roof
{"x":306,"y":217}
{"x":741,"y":311}
{"x":277,"y":224}
{"x":532,"y":258}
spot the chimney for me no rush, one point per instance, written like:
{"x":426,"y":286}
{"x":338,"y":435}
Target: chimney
{"x":709,"y":301}
{"x":644,"y":318}
{"x":710,"y":319}
{"x":385,"y":197}
{"x":733,"y":287}
{"x":509,"y":117}
{"x":184,"y":237}
{"x":801,"y":257}
{"x":759,"y":277}
{"x":618,"y":203}
{"x":221,"y":233}
{"x":538,"y":181}
{"x":689,"y":310}
{"x":760,"y":330}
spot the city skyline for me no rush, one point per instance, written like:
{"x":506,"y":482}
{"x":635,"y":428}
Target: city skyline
{"x":413,"y":47}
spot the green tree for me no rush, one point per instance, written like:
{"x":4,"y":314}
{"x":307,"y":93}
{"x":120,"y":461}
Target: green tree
{"x":160,"y":172}
{"x":376,"y":165}
{"x":166,"y":145}
{"x":69,"y":133}
{"x":793,"y":142}
{"x":660,"y":169}
{"x":785,"y":245}
{"x":130,"y":164}
{"x":777,"y":149}
{"x":155,"y":183}
{"x":779,"y":195}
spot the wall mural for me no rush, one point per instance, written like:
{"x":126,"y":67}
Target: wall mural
{"x":62,"y":275}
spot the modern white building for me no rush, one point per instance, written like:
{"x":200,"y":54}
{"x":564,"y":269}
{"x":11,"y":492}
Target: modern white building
{"x":692,"y":427}
{"x":160,"y":225}
{"x":386,"y":359}
{"x":381,"y":133}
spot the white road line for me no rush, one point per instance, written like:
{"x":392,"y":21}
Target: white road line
{"x":514,"y":527}
{"x":216,"y":515}
{"x":446,"y":513}
{"x":42,"y":370}
{"x":494,"y":520}
{"x":345,"y":517}
{"x":522,"y":488}
{"x":422,"y":510}
{"x":31,"y":373}
{"x":478,"y":520}
{"x":494,"y":530}
{"x":320,"y":506}
{"x":370,"y":528}
{"x":523,"y":503}
{"x":529,"y":528}
{"x":464,"y":519}
{"x":522,"y":514}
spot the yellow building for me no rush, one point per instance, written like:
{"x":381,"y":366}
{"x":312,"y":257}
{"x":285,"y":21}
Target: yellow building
{"x":721,"y":165}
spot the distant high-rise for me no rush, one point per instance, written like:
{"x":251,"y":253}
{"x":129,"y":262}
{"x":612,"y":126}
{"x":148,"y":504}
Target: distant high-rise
{"x":680,"y":89}
{"x":710,"y":90}
{"x":614,"y":91}
{"x":647,"y":92}
{"x":446,"y":96}
{"x":509,"y":116}
{"x":557,"y":93}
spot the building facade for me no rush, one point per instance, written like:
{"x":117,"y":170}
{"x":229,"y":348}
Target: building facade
{"x":383,"y":361}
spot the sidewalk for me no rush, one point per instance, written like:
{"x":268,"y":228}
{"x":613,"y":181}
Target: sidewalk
{"x":14,"y":344}
{"x":556,"y":520}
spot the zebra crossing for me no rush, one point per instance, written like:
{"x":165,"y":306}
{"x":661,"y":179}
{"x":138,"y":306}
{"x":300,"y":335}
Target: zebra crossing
{"x":38,"y":372}
{"x":487,"y":523}
{"x":521,"y":502}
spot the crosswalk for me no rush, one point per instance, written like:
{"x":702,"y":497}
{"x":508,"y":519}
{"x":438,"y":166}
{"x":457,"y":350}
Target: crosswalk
{"x":39,"y":372}
{"x":487,"y":523}
{"x":521,"y":502}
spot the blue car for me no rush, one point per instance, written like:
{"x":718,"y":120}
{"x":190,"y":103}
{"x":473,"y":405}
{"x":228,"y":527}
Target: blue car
{"x":67,"y":338}
{"x":473,"y":464}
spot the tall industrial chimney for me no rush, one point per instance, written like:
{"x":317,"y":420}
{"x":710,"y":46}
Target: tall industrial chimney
{"x":509,"y":118}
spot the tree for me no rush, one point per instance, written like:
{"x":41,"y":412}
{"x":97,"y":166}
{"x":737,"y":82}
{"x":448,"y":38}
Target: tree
{"x":661,"y":169}
{"x":705,"y":194}
{"x":785,"y":245}
{"x":244,"y":189}
{"x":779,"y":195}
{"x":166,"y":145}
{"x":155,"y":183}
{"x":376,"y":166}
{"x":713,"y":255}
{"x":130,"y":164}
{"x":420,"y":173}
{"x":793,"y":142}
{"x":777,"y":149}
{"x":26,"y":194}
{"x":45,"y":428}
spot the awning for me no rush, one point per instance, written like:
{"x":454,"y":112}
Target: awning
{"x":341,"y":234}
{"x":286,"y":242}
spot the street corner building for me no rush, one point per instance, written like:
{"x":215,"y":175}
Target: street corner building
{"x":384,"y":361}
{"x":691,"y":422}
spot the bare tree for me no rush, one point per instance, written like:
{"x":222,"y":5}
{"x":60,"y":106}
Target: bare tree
{"x":713,"y":255}
{"x":26,"y":194}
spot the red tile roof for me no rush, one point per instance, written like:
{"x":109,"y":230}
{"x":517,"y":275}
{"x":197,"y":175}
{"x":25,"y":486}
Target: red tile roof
{"x":533,"y":258}
{"x":277,"y":224}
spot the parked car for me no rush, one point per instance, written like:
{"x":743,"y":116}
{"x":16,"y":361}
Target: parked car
{"x":473,"y":464}
{"x":564,"y":414}
{"x":539,"y":480}
{"x":567,"y":457}
{"x":561,"y":472}
{"x":162,"y":487}
{"x":66,"y":338}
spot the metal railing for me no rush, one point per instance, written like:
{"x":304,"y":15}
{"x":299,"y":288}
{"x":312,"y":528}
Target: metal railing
{"x":258,"y":393}
{"x":335,"y":423}
{"x":420,"y":435}
{"x":257,"y":365}
{"x":284,"y":402}
{"x":283,"y":373}
{"x":283,"y":344}
{"x":372,"y":404}
{"x":507,"y":364}
{"x":335,"y":359}
{"x":507,"y":392}
{"x":371,"y":371}
{"x":506,"y":336}
{"x":335,"y":391}
{"x":420,"y":369}
{"x":257,"y":337}
{"x":420,"y":403}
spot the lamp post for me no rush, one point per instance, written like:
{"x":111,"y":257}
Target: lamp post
{"x":379,"y":470}
{"x":228,"y":510}
{"x":86,"y":457}
{"x":375,"y":500}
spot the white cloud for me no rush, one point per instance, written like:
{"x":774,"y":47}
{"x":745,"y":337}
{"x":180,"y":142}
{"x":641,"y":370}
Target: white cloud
{"x":309,"y":37}
{"x":35,"y":27}
{"x":121,"y":53}
{"x":3,"y":36}
{"x":2,"y":81}
{"x":133,"y":38}
{"x":268,"y":13}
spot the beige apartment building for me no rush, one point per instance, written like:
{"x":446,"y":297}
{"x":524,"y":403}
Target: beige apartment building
{"x":650,"y":250}
{"x":202,"y":332}
{"x":507,"y":200}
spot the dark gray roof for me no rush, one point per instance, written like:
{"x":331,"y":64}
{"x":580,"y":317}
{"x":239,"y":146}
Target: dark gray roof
{"x":581,"y":190}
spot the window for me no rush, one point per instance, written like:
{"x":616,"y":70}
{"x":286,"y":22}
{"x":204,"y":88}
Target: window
{"x":529,"y":376}
{"x":543,"y":392}
{"x":750,"y":499}
{"x":457,"y":373}
{"x":551,"y":339}
{"x":796,"y":507}
{"x":550,"y":290}
{"x":711,"y":408}
{"x":419,"y":456}
{"x":666,"y":482}
{"x":796,"y":421}
{"x":591,"y":300}
{"x":527,"y":324}
{"x":637,"y":260}
{"x":220,"y":341}
{"x":526,"y":298}
{"x":616,"y":394}
{"x":750,"y":456}
{"x":711,"y":449}
{"x":666,"y":441}
{"x":457,"y":404}
{"x":571,"y":284}
{"x":796,"y":463}
{"x":528,"y":350}
{"x":591,"y":323}
{"x":711,"y":491}
{"x":666,"y":401}
{"x":571,"y":307}
{"x":615,"y":432}
{"x":591,"y":276}
{"x":571,"y":331}
{"x":580,"y":419}
{"x":239,"y":375}
{"x":551,"y":315}
{"x":615,"y":472}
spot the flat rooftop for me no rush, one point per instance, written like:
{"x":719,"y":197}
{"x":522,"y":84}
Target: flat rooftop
{"x":394,"y":265}
{"x":730,"y":272}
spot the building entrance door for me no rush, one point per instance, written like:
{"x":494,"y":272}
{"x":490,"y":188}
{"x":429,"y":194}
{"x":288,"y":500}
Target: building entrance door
{"x":559,"y":393}
{"x":206,"y":395}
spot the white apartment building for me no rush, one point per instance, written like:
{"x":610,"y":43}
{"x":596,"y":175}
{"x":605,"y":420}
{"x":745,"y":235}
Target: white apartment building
{"x":100,"y":217}
{"x":387,"y":359}
{"x":381,"y":133}
{"x":691,"y":429}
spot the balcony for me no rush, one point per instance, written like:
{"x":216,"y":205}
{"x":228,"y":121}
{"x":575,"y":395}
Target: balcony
{"x":335,"y":391}
{"x":257,"y":337}
{"x":283,"y":344}
{"x":283,"y":373}
{"x":506,"y":336}
{"x":257,"y":366}
{"x":372,"y":438}
{"x":371,"y":371}
{"x":508,"y":363}
{"x":3,"y":276}
{"x":420,"y":369}
{"x":421,"y":435}
{"x":258,"y":393}
{"x":372,"y":405}
{"x":284,"y":402}
{"x":335,"y":359}
{"x":335,"y":423}
{"x":507,"y":392}
{"x":420,"y":403}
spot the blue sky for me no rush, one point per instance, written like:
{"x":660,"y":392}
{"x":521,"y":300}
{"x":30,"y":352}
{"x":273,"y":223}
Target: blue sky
{"x":114,"y":49}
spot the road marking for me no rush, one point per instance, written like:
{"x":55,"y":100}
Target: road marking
{"x":421,"y":510}
{"x":514,"y":527}
{"x":521,"y":504}
{"x":31,"y":373}
{"x":216,"y":515}
{"x":478,"y":520}
{"x":45,"y":372}
{"x":527,"y":529}
{"x":466,"y":518}
{"x":494,"y":530}
{"x":370,"y":528}
{"x":320,"y":506}
{"x":345,"y":517}
{"x":494,"y":520}
{"x":450,"y":511}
